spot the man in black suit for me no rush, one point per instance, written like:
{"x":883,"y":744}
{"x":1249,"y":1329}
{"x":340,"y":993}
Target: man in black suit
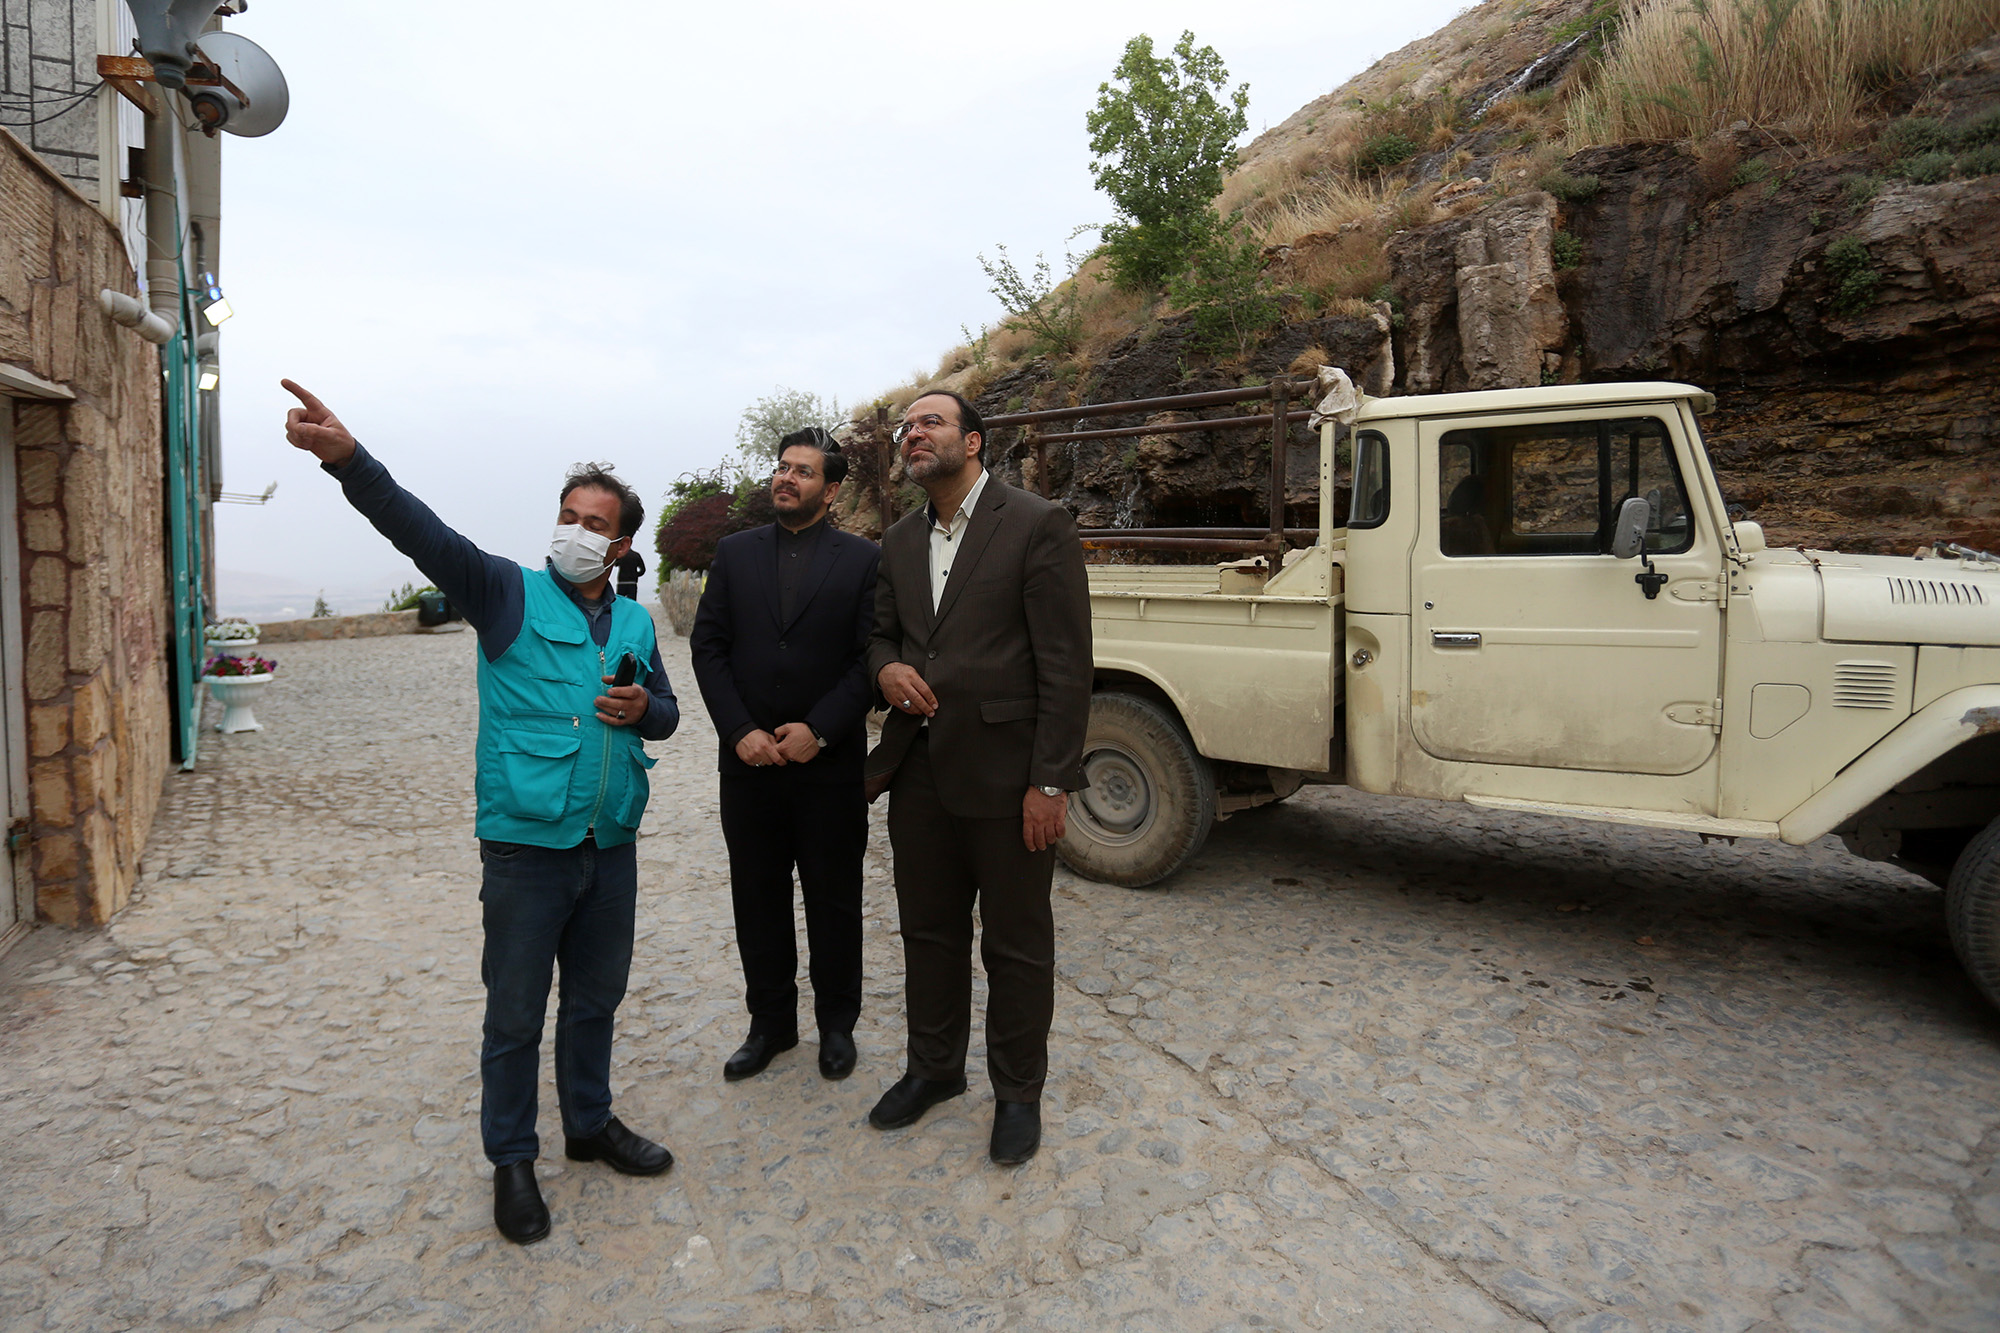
{"x":778,"y":647}
{"x":981,"y":651}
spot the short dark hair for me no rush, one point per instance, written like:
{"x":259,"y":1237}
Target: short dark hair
{"x":599,"y":476}
{"x":832,"y":463}
{"x":969,"y":420}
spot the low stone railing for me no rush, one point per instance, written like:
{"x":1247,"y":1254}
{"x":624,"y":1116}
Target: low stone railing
{"x":371,"y":626}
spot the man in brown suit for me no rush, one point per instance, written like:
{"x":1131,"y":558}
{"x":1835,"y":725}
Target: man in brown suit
{"x":981,"y":651}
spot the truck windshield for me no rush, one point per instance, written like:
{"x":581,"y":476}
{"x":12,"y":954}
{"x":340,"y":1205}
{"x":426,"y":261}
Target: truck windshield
{"x":1369,"y":506}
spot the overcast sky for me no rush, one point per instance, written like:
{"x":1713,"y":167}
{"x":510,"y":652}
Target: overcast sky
{"x":495,"y":243}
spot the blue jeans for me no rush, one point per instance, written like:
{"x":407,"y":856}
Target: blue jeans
{"x":543,"y":907}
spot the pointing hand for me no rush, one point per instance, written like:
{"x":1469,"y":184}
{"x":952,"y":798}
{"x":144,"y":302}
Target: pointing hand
{"x":315,"y":429}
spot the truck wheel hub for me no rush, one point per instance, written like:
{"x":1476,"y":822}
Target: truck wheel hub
{"x":1118,"y":800}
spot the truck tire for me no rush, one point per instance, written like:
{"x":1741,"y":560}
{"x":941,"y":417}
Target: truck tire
{"x":1150,"y":801}
{"x":1972,"y":910}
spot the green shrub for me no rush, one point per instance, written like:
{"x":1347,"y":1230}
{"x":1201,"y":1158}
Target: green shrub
{"x":1859,"y":188}
{"x":1566,"y":250}
{"x":1981,"y":161}
{"x":1750,"y":172}
{"x":1912,"y":135}
{"x":1384,"y":151}
{"x":1227,"y":292}
{"x":406,"y":597}
{"x":1854,"y":274}
{"x":1570,"y":189}
{"x":1981,"y":129}
{"x":1048,"y":312}
{"x":1926,"y":168}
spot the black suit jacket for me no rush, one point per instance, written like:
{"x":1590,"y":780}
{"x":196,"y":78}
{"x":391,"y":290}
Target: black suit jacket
{"x":1007,"y":652}
{"x":757,"y":672}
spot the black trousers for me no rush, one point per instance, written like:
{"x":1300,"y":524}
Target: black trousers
{"x":945,"y":865}
{"x":771,"y":823}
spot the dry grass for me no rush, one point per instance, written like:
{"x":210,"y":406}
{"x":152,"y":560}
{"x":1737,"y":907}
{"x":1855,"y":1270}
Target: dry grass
{"x":1340,"y":266}
{"x":1682,"y":71}
{"x":1327,"y":204}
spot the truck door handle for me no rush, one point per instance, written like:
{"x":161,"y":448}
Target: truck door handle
{"x":1445,"y":638}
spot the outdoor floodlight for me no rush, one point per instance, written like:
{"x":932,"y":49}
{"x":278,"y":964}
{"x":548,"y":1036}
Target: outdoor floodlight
{"x":211,"y":375}
{"x":215,"y":306}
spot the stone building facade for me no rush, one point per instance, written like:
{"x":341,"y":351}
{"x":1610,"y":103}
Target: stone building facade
{"x":93,"y":590}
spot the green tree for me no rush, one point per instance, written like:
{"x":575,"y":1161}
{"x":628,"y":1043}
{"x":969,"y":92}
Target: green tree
{"x":1162,"y":134}
{"x":777,"y":415}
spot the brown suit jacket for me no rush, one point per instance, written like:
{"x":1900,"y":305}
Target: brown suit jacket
{"x":1007,"y":653}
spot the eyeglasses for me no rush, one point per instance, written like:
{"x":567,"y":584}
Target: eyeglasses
{"x":928,"y":423}
{"x":803,"y":471}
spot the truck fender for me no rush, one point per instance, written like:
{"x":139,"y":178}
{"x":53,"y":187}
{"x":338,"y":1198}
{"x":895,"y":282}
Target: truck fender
{"x":1121,"y":670}
{"x":1933,"y":730}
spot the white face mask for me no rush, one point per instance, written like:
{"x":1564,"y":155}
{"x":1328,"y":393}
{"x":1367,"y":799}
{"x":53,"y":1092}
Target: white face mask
{"x":579,"y":553}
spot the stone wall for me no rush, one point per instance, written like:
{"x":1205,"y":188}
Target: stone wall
{"x":48,"y":63}
{"x":94,"y":582}
{"x":370,"y":626}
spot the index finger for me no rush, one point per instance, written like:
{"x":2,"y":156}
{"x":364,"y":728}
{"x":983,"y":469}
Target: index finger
{"x":923,"y":690}
{"x":303,"y":395}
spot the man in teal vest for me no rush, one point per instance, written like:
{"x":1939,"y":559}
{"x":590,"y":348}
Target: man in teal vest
{"x":561,"y":785}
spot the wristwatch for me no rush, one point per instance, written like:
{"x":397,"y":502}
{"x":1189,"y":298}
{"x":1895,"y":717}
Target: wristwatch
{"x":1050,"y":791}
{"x":821,"y":739}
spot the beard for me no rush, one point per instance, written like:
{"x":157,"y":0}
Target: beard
{"x":944,"y":461}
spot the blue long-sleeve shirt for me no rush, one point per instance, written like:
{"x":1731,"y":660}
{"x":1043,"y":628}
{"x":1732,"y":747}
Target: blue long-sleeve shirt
{"x":486,"y":589}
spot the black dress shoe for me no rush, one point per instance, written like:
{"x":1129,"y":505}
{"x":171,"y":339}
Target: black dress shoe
{"x":906,"y":1102}
{"x":1017,"y":1132}
{"x":620,"y":1149}
{"x":836,"y":1054}
{"x":518,"y":1209}
{"x":756,"y":1052}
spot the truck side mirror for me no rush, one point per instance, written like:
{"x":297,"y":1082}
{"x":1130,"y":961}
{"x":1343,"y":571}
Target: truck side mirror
{"x":1628,"y":538}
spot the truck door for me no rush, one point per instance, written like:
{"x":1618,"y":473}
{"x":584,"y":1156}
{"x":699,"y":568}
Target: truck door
{"x":1534,"y":645}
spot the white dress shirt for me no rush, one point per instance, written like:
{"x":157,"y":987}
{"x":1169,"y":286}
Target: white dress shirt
{"x":947,"y":537}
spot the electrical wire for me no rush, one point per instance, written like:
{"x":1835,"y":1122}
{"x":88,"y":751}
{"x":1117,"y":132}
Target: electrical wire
{"x":69,"y":104}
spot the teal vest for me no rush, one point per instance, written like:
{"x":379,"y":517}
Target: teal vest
{"x":548,"y":771}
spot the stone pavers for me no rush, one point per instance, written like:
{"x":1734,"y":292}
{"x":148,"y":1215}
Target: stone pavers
{"x":1369,"y":1064}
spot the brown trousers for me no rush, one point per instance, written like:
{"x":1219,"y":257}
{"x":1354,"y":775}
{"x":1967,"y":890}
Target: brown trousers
{"x":945,"y":865}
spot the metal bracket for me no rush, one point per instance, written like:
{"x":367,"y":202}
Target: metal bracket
{"x":17,"y":837}
{"x":1693,"y":590}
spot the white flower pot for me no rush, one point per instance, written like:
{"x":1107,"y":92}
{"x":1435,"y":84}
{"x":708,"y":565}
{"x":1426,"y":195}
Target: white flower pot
{"x":228,"y":647}
{"x":235,"y":694}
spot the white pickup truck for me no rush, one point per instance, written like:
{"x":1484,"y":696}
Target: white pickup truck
{"x":1538,"y":602}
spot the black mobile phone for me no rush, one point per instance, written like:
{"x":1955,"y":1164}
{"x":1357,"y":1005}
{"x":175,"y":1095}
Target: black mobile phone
{"x":628,"y":667}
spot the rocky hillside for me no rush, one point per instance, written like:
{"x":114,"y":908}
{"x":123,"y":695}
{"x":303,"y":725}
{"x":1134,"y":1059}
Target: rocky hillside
{"x":1837,"y":289}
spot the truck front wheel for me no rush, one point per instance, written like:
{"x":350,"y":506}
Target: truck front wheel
{"x":1972,"y":910}
{"x":1150,"y":801}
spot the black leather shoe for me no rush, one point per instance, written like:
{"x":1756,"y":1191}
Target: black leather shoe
{"x":518,"y":1209}
{"x":836,"y":1054}
{"x":906,"y":1102}
{"x":1017,"y":1132}
{"x":756,"y":1052}
{"x":620,"y":1149}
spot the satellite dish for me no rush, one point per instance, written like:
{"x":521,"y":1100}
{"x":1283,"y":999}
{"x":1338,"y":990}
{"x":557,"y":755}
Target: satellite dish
{"x":250,"y":68}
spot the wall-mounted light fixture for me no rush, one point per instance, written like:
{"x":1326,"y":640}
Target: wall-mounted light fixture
{"x":215,"y":306}
{"x":211,"y":375}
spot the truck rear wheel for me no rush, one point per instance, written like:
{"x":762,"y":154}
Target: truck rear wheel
{"x":1972,"y":910}
{"x":1150,"y":801}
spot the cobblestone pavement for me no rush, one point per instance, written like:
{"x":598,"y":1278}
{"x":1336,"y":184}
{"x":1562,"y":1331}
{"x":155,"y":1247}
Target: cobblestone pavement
{"x":1370,"y":1064}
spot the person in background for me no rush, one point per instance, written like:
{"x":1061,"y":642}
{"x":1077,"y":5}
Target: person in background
{"x":561,"y":782}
